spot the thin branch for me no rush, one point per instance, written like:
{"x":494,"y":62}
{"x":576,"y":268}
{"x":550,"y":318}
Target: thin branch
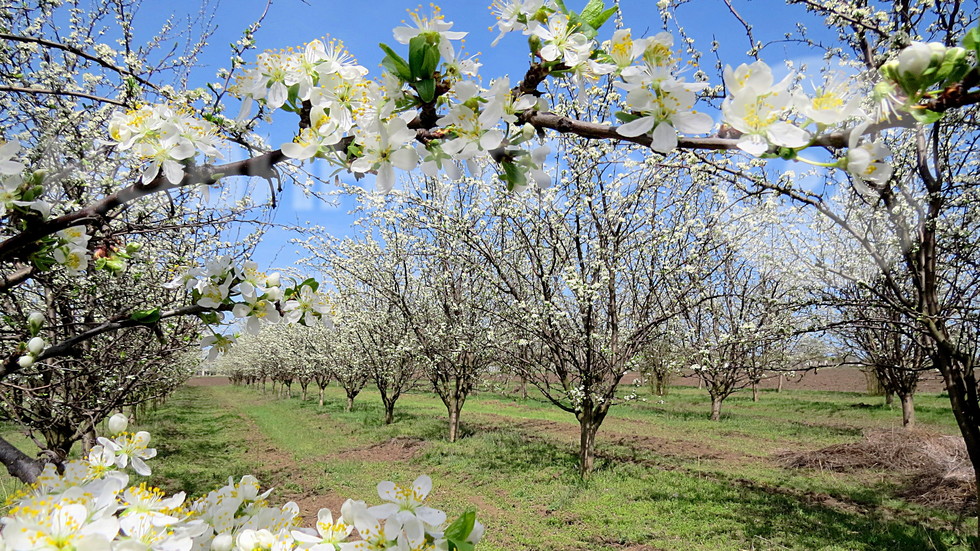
{"x":261,"y":166}
{"x":78,"y":52}
{"x":60,"y":93}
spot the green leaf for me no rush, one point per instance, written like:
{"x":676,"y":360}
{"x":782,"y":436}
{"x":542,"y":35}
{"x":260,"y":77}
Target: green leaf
{"x":426,"y":89}
{"x":514,"y":176}
{"x":581,"y":25}
{"x":416,"y":55}
{"x":925,"y":116}
{"x":595,"y":13}
{"x":430,"y":61}
{"x":146,"y":316}
{"x":42,"y":262}
{"x":971,"y":40}
{"x":293,"y":94}
{"x":601,"y":19}
{"x":210,"y":318}
{"x":626,"y":117}
{"x":395,"y":63}
{"x":311,"y":283}
{"x":461,"y":528}
{"x":954,"y":66}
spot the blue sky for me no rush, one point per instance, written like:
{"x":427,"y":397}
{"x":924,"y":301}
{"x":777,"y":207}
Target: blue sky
{"x":362,"y":25}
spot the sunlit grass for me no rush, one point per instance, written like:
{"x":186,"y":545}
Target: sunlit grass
{"x":667,"y":479}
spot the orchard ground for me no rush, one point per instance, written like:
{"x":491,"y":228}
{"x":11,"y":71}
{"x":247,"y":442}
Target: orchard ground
{"x":666,"y":479}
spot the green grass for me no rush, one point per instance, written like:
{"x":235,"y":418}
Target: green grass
{"x":198,"y":445}
{"x":667,"y":479}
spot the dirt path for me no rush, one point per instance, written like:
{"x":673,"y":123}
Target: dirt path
{"x":293,"y":481}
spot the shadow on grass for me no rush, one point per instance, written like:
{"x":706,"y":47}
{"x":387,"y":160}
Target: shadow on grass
{"x":197,"y":446}
{"x":541,"y":474}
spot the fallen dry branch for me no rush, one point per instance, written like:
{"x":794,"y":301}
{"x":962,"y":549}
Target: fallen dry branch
{"x":933,"y":469}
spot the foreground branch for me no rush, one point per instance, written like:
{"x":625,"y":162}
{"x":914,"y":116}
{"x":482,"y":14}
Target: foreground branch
{"x":25,"y":242}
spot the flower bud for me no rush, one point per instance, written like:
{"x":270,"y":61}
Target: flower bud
{"x":273,"y":280}
{"x":25,"y":361}
{"x":222,"y":542}
{"x":273,"y":294}
{"x":35,"y":345}
{"x":34,"y":322}
{"x":133,"y":247}
{"x":117,"y":423}
{"x":917,"y":57}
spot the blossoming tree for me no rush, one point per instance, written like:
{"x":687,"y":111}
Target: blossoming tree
{"x":429,"y":111}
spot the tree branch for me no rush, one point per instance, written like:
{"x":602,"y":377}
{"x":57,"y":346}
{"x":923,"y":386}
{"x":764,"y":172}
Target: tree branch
{"x":22,"y":243}
{"x":78,"y":52}
{"x":60,"y":93}
{"x":119,"y":321}
{"x":19,"y":464}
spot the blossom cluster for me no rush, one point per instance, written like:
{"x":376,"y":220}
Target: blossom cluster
{"x":18,"y":190}
{"x":373,"y":127}
{"x":252,"y":295}
{"x":93,"y":504}
{"x":166,"y":137}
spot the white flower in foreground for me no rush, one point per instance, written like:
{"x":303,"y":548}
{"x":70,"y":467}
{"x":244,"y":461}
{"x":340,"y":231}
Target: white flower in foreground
{"x":836,"y":101}
{"x":386,"y":147}
{"x":307,"y":306}
{"x":512,"y":15}
{"x":75,"y":259}
{"x":67,"y":527}
{"x":131,"y":450}
{"x":431,"y":27}
{"x":213,"y":295}
{"x":34,"y":321}
{"x":409,"y":500}
{"x":867,"y":161}
{"x":165,"y":155}
{"x":142,"y":503}
{"x":758,"y":116}
{"x":257,"y":313}
{"x":218,"y":344}
{"x":329,"y":532}
{"x":75,"y":235}
{"x":665,"y":112}
{"x":915,"y":58}
{"x":9,"y":167}
{"x":561,"y":41}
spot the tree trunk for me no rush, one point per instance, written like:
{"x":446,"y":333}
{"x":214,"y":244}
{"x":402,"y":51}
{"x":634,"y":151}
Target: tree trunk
{"x":661,"y":385}
{"x":453,"y":423}
{"x":779,"y":382}
{"x":586,"y":451}
{"x":716,"y":408}
{"x":350,"y":403}
{"x":389,"y":413}
{"x":523,"y":387}
{"x":908,"y":410}
{"x":889,"y":398}
{"x":321,"y":396}
{"x":88,"y":441}
{"x":19,"y":465}
{"x":755,"y":392}
{"x":961,"y":386}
